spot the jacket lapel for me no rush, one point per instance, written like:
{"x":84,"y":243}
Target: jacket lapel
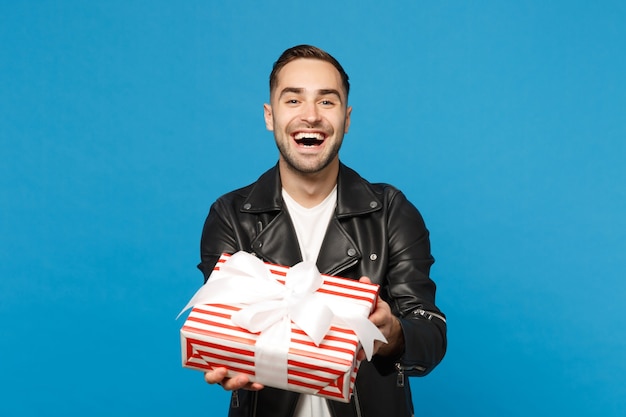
{"x":338,"y":250}
{"x":276,"y":241}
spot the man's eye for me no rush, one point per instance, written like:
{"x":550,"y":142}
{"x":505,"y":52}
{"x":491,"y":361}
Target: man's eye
{"x":327,"y":103}
{"x":292,"y":101}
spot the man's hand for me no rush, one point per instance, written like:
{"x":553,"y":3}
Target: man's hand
{"x":218,"y":376}
{"x":389,"y":326}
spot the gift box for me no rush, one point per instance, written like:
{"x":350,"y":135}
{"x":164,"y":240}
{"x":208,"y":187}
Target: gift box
{"x":289,"y":328}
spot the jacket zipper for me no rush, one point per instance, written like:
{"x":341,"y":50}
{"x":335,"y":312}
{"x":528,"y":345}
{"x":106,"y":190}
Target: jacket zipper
{"x":357,"y":405}
{"x":255,"y":398}
{"x":400,"y":378}
{"x":428,"y":315}
{"x":235,"y":403}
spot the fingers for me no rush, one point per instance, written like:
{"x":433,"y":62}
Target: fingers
{"x":381,"y":316}
{"x":218,"y":376}
{"x":215,"y":376}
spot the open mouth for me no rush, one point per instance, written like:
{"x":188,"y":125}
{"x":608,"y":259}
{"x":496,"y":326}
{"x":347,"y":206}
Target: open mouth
{"x":309,"y":139}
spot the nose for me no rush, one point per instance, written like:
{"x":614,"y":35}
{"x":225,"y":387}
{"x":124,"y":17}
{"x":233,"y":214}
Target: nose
{"x":310,"y":113}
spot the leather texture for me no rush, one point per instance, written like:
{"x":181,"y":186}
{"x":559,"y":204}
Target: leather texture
{"x":375,"y":232}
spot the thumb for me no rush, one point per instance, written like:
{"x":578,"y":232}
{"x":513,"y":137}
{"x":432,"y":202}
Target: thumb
{"x":365,"y":280}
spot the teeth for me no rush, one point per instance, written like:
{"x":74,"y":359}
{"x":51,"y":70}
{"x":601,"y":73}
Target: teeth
{"x":309,"y":135}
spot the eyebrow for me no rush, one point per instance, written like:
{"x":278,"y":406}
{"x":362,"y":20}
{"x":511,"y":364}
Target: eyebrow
{"x":321,"y":92}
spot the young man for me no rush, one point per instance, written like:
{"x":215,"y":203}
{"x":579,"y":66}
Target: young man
{"x":312,"y":207}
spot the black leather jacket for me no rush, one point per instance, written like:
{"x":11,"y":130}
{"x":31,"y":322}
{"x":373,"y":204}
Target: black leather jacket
{"x":375,"y":232}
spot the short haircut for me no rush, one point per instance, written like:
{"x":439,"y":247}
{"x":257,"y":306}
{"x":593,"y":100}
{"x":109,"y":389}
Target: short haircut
{"x":311,"y":52}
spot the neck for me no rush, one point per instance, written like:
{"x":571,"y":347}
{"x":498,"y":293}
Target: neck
{"x":309,"y":189}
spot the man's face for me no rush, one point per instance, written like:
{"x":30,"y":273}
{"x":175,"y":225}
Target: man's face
{"x":308,"y":114}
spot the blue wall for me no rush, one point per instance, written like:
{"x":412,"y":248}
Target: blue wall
{"x":122,"y":121}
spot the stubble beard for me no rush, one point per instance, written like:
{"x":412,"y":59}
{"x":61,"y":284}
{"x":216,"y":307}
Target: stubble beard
{"x":304,"y":165}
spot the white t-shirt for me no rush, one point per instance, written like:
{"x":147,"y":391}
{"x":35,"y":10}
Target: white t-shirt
{"x":311,"y":224}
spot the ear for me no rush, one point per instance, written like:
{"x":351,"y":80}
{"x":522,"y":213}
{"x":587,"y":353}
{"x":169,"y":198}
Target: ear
{"x":269,"y":119}
{"x":346,"y":125}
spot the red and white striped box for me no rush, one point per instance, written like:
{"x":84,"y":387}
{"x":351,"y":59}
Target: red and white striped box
{"x":209,"y":339}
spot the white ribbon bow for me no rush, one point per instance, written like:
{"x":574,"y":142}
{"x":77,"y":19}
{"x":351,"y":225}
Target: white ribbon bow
{"x":270,"y":306}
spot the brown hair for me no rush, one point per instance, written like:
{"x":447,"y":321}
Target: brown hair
{"x":307,"y":51}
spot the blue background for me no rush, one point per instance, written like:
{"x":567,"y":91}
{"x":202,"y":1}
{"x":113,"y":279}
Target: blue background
{"x":122,"y":121}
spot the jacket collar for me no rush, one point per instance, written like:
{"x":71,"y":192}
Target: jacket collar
{"x":354,"y":195}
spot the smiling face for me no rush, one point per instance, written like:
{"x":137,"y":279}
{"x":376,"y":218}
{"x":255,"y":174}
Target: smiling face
{"x":308,"y":114}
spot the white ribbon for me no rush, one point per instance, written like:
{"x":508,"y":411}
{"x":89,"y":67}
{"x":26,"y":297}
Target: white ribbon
{"x":271,"y":306}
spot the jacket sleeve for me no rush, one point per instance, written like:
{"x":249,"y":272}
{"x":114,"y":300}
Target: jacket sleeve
{"x":218,"y":237}
{"x":411,"y":292}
